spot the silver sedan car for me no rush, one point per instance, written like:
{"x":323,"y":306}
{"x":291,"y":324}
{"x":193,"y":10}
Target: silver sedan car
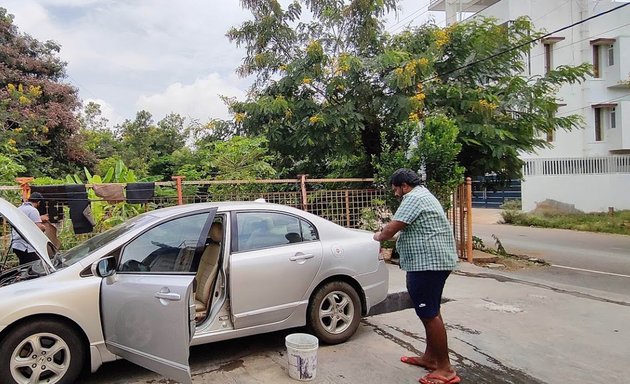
{"x":149,"y":288}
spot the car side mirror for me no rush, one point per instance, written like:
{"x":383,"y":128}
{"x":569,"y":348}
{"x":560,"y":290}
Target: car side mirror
{"x":104,"y":267}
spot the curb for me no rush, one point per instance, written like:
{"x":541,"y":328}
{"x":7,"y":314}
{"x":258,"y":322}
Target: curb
{"x":396,"y":301}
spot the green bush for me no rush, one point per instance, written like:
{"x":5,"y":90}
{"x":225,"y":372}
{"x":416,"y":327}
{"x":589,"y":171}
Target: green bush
{"x":512,"y":205}
{"x":618,"y":222}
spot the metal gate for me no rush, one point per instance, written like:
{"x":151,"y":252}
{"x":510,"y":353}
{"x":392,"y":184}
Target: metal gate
{"x":487,"y":192}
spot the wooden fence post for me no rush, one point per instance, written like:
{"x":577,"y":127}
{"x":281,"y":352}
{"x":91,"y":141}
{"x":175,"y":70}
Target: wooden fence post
{"x":303,"y":189}
{"x":461,"y":204}
{"x":178,"y":184}
{"x":24,"y":185}
{"x":469,"y":225}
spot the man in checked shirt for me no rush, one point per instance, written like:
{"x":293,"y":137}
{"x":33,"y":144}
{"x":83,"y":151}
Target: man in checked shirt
{"x":427,"y":253}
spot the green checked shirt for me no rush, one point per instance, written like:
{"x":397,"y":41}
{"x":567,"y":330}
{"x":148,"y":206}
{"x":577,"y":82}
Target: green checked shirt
{"x":426,"y":243}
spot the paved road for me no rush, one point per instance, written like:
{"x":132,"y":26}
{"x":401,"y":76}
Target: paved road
{"x":590,"y":260}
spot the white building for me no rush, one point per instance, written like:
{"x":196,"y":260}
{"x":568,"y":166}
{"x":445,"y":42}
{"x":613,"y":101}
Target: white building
{"x":589,"y":168}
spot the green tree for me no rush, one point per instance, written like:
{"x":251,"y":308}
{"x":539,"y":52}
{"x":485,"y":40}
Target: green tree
{"x":333,"y":90}
{"x":38,"y":107}
{"x":315,"y":99}
{"x":242,"y":158}
{"x":95,"y":136}
{"x":431,"y":149}
{"x":9,"y":169}
{"x":147,"y":147}
{"x":478,"y":80}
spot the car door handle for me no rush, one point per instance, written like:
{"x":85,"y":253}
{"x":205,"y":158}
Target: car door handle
{"x":302,"y":256}
{"x":168,"y":296}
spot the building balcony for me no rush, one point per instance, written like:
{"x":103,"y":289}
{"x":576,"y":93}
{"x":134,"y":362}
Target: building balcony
{"x":461,"y":5}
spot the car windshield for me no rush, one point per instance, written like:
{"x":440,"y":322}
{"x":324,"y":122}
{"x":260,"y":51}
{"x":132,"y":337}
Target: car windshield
{"x":77,"y":253}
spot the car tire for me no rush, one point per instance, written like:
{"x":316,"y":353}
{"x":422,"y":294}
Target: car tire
{"x":334,"y":312}
{"x":48,"y":349}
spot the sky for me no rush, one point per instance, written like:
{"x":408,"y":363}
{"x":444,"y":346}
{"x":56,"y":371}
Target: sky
{"x":162,"y":56}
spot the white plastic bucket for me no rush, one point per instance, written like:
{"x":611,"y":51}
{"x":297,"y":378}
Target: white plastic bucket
{"x":302,"y":355}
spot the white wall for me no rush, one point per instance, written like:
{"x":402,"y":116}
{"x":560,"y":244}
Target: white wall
{"x":589,"y":193}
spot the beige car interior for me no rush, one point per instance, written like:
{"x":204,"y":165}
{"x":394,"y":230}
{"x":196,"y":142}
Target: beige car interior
{"x":207,"y":271}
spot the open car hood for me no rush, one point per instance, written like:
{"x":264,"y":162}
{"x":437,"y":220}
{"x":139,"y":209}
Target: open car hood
{"x":28,"y":230}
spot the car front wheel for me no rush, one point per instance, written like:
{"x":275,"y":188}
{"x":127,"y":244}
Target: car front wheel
{"x":41,"y":352}
{"x":334,"y":312}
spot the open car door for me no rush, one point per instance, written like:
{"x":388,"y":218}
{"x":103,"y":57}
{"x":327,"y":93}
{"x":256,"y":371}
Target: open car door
{"x":150,"y":321}
{"x":147,"y":300}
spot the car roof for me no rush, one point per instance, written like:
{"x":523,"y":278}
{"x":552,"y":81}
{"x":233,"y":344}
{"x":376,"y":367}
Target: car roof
{"x":223,"y":206}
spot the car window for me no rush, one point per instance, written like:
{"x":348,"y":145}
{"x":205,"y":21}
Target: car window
{"x":268,"y":229}
{"x":309,"y":232}
{"x":167,"y":247}
{"x":77,"y":253}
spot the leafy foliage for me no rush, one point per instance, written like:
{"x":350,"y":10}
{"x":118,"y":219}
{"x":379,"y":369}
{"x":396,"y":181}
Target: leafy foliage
{"x":107,"y":215}
{"x":147,"y":147}
{"x":431,"y":147}
{"x":618,"y":222}
{"x":333,"y":92}
{"x":37,"y":121}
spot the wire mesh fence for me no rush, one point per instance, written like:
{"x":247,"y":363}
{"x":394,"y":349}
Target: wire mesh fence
{"x":342,"y":201}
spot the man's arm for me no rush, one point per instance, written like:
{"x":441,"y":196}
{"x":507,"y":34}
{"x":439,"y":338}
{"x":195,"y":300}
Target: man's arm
{"x":38,"y":219}
{"x":391,"y":229}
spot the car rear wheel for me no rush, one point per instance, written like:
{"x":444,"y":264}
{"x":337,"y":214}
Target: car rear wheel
{"x":41,"y":352}
{"x":334,"y":312}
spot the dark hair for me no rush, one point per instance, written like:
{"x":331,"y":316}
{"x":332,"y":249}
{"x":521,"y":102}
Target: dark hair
{"x":35,"y":197}
{"x":404,"y":175}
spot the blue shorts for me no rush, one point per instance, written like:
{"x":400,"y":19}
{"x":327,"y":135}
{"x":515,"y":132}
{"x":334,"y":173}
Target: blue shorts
{"x":425,"y":289}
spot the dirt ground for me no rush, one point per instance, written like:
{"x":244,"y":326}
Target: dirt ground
{"x":510,"y":262}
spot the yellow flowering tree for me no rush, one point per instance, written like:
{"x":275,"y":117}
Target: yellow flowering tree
{"x":335,"y":94}
{"x":37,"y":121}
{"x":478,"y":80}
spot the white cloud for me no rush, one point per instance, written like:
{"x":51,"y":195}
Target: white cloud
{"x":153,"y":54}
{"x":199,"y":100}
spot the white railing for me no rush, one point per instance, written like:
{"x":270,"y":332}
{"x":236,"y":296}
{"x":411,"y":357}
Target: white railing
{"x":577,"y":166}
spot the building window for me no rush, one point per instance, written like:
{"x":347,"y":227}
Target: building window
{"x":611,"y":55}
{"x":548,"y":43}
{"x":598,"y":124}
{"x":547,"y":58}
{"x":597,"y":60}
{"x":605,"y":117}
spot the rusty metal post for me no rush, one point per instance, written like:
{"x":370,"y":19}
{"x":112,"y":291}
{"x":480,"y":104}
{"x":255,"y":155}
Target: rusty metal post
{"x":178,"y":185}
{"x":469,"y":222}
{"x":462,"y":217}
{"x":303,"y":189}
{"x":453,"y":218}
{"x":24,"y":185}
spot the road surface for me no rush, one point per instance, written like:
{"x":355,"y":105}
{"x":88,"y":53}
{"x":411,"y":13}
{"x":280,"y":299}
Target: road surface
{"x":585,"y":259}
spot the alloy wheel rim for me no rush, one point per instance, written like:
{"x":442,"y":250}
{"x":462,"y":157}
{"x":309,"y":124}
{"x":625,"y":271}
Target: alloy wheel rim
{"x":40,"y":358}
{"x":336,"y":312}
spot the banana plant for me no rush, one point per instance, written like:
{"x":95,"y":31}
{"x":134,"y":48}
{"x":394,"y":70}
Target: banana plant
{"x":107,"y":215}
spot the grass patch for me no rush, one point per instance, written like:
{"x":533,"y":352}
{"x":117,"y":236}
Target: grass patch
{"x":618,"y":222}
